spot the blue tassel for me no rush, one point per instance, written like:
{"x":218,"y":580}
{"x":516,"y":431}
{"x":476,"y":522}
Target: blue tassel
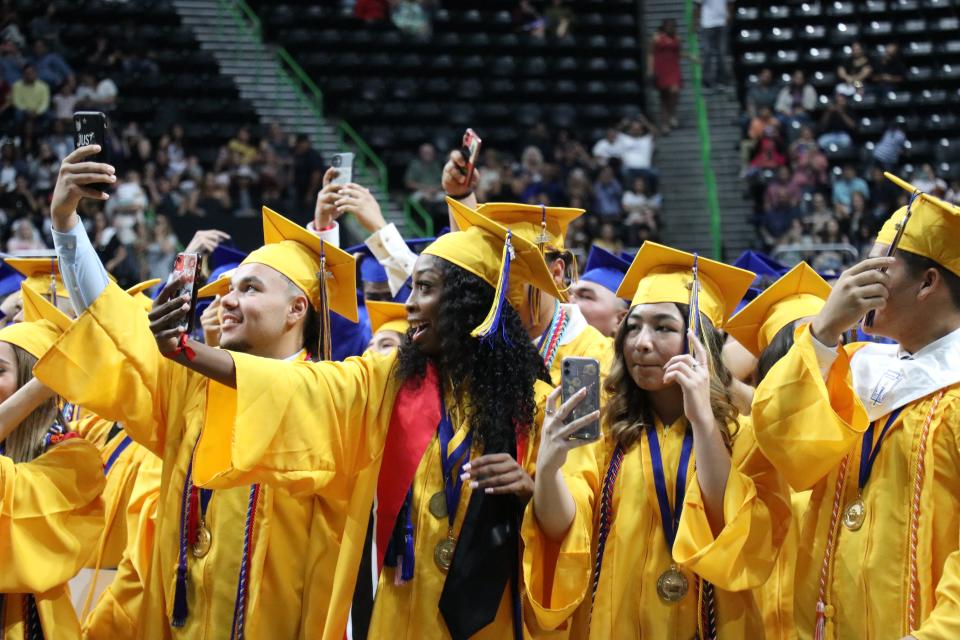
{"x":406,"y":570}
{"x":493,"y":323}
{"x":180,"y":599}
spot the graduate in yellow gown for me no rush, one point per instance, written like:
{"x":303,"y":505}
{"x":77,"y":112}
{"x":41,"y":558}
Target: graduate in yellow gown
{"x":624,"y":534}
{"x":765,"y":328}
{"x":395,"y":430}
{"x":596,"y":291}
{"x":388,"y":325}
{"x":50,"y":508}
{"x":234,"y":562}
{"x":872,"y":430}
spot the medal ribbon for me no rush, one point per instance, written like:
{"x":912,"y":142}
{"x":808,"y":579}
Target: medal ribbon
{"x":448,"y":462}
{"x":549,"y":342}
{"x":870,"y":451}
{"x":670,"y":519}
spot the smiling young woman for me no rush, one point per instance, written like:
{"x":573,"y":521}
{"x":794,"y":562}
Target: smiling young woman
{"x":666,"y":524}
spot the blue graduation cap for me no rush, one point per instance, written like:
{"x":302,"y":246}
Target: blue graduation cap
{"x":370,"y":269}
{"x":223,"y":259}
{"x":605,"y":269}
{"x":748,"y":297}
{"x":10,"y":280}
{"x":761,"y":264}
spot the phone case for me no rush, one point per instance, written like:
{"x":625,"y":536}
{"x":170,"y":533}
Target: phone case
{"x":577,"y":373}
{"x":343,"y":163}
{"x":472,"y":144}
{"x":188,"y":263}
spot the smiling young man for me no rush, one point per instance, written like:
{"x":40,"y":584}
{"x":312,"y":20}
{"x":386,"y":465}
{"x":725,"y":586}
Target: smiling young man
{"x":873,"y":429}
{"x":235,"y":561}
{"x":596,"y":291}
{"x":395,"y":432}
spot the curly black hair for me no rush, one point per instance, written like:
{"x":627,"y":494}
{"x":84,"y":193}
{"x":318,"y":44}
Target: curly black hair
{"x":497,"y":374}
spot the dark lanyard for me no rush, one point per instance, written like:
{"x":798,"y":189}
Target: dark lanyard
{"x":870,"y":451}
{"x":452,"y":487}
{"x":670,"y":518}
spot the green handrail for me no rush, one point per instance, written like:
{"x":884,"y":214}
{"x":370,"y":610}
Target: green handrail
{"x":703,"y":126}
{"x":411,"y":206}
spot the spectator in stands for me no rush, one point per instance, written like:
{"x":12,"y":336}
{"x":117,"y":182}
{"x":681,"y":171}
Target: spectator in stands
{"x":844,"y":187}
{"x":889,"y":70}
{"x":769,"y":152}
{"x":606,"y":147}
{"x":712,"y":16}
{"x":213,"y":199}
{"x":892,"y":143}
{"x":883,"y":195}
{"x":161,"y":248}
{"x":25,"y":236}
{"x":609,"y":238}
{"x":607,"y":193}
{"x":663,"y":67}
{"x":854,"y":72}
{"x":130,"y":60}
{"x":796,"y":101}
{"x":103,"y":58}
{"x":762,"y":94}
{"x":60,"y":139}
{"x":782,"y":189}
{"x":11,"y":65}
{"x":245,"y":193}
{"x":422,"y":177}
{"x":166,"y":200}
{"x":559,"y":17}
{"x":858,"y":216}
{"x":836,"y":124}
{"x":925,"y":179}
{"x":65,"y":100}
{"x":50,"y":65}
{"x":308,"y":168}
{"x":640,"y":207}
{"x":636,"y":146}
{"x":20,"y":201}
{"x":778,"y":219}
{"x":98,"y":95}
{"x":31,"y":95}
{"x":241,"y":146}
{"x":43,"y":171}
{"x":526,"y":19}
{"x":805,"y":144}
{"x":10,"y":166}
{"x":818,"y":212}
{"x":411,"y":17}
{"x":762,"y":126}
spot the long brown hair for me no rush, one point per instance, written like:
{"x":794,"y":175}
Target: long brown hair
{"x":627,"y":407}
{"x":26,"y":442}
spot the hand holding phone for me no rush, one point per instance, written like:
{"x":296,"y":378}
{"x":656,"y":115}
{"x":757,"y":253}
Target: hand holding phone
{"x":576,"y":374}
{"x":471,"y":146}
{"x":90,"y":127}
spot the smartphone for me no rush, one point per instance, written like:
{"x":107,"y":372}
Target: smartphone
{"x":575,"y":374}
{"x":190,"y":264}
{"x":343,"y":163}
{"x":90,"y":127}
{"x":471,"y":146}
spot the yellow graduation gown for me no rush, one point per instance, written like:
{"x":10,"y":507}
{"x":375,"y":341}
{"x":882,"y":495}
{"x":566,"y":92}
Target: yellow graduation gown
{"x":807,"y":426}
{"x":589,"y":343}
{"x":776,"y":594}
{"x":559,"y":577}
{"x":50,"y":518}
{"x":108,"y":362}
{"x":321,"y":428}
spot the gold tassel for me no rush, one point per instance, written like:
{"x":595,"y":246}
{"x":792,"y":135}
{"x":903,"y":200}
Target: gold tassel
{"x":325,"y":346}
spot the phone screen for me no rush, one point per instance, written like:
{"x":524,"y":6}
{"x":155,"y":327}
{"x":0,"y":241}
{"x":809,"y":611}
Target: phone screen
{"x":576,"y":374}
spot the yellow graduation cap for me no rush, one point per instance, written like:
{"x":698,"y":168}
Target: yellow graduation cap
{"x":491,"y":252}
{"x":933,"y":228}
{"x":219,"y":287}
{"x":40,"y":273}
{"x":387,"y":316}
{"x":43,"y":323}
{"x":541,"y":225}
{"x":799,"y":293}
{"x":137,"y":293}
{"x":661,"y":274}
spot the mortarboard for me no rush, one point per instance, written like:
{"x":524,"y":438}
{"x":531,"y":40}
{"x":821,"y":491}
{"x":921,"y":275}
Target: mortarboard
{"x":43,"y":323}
{"x":10,"y":280}
{"x":605,"y":269}
{"x":40,"y":275}
{"x":387,"y":316}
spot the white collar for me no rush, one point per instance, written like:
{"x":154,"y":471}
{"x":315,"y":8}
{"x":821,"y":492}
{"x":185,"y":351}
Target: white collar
{"x":576,"y":323}
{"x":886,"y":377}
{"x":297,"y":356}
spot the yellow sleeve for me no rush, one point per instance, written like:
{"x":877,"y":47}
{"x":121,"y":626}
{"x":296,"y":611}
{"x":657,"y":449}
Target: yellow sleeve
{"x":108,"y":362}
{"x":557,"y":575}
{"x":943,"y":623}
{"x":298,"y":425}
{"x":51,"y":516}
{"x":756,"y":516}
{"x":804,"y":424}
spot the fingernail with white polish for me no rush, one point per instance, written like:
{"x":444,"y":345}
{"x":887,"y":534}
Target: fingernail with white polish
{"x":474,"y":484}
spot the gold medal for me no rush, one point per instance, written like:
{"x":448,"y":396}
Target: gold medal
{"x":438,"y":504}
{"x":201,"y":547}
{"x":672,"y":585}
{"x":854,"y":515}
{"x":443,"y":553}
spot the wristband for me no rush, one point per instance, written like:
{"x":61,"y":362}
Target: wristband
{"x":460,"y":197}
{"x":182,"y":347}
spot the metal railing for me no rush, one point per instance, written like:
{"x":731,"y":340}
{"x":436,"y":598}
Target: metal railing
{"x":411,"y":207}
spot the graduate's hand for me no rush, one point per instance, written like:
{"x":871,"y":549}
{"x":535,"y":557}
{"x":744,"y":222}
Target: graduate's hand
{"x":692,"y":373}
{"x":454,"y":177}
{"x":860,"y":289}
{"x":555,"y":441}
{"x":72,"y":184}
{"x":358,"y":200}
{"x":210,"y":322}
{"x":498,"y":474}
{"x":325,"y":212}
{"x":168,"y":314}
{"x":206,"y":240}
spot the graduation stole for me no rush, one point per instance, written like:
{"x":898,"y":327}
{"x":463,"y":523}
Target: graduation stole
{"x":487,"y":551}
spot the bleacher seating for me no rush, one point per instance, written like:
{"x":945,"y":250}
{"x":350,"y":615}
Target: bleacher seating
{"x":816,"y":37}
{"x":475,"y":70}
{"x":188,"y":88}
